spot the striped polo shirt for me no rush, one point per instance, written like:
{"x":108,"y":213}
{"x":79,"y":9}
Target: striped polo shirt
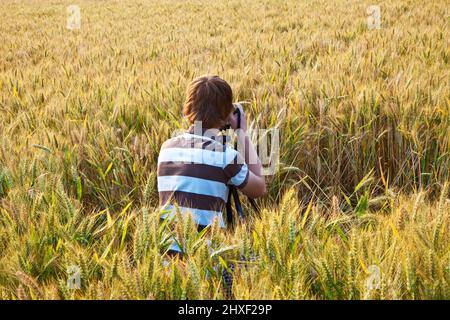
{"x":194,"y":171}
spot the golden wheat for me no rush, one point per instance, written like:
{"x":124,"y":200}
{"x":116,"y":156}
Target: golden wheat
{"x":358,"y":208}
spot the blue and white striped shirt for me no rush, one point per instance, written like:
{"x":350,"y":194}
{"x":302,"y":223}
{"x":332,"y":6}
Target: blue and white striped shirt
{"x":194,"y":172}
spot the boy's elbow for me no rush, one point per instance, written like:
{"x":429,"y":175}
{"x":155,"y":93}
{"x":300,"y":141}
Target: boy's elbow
{"x":261,"y":191}
{"x":256,"y":187}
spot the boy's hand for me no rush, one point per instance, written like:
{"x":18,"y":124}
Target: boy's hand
{"x":234,"y":117}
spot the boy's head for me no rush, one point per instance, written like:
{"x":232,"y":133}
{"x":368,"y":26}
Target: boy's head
{"x":209,"y":99}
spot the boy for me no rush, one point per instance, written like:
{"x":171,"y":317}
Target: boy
{"x":195,"y":168}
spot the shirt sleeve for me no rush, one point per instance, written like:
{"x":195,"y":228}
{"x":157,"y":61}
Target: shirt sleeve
{"x":237,"y":170}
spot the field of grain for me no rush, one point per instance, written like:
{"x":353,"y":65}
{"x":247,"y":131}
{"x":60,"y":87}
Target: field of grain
{"x":358,"y":208}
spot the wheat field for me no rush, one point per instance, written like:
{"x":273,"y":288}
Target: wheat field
{"x":358,"y":208}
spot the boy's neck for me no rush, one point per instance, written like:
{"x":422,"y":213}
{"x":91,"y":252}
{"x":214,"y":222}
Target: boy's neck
{"x":200,"y":131}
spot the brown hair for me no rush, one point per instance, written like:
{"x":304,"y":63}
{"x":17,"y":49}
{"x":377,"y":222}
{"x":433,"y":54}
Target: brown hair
{"x":209,"y":99}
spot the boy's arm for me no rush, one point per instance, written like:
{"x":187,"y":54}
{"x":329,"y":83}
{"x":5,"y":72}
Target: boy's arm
{"x":256,"y":184}
{"x":249,"y":151}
